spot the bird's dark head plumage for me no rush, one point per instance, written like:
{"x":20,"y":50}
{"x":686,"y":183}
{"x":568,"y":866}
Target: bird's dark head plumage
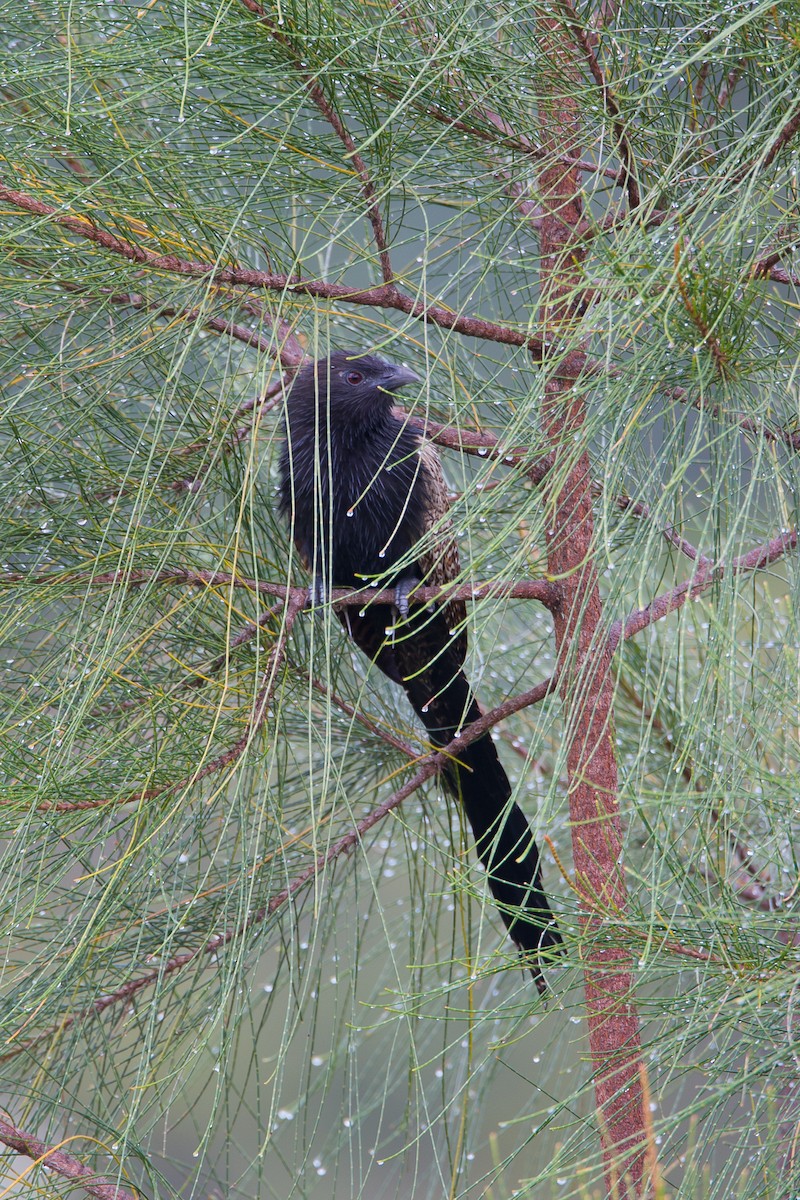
{"x":355,"y":387}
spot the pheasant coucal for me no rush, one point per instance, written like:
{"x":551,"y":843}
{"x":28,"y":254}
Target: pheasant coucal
{"x":364,"y":494}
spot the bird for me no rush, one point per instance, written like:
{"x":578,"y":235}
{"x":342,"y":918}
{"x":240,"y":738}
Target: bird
{"x":365,"y":498}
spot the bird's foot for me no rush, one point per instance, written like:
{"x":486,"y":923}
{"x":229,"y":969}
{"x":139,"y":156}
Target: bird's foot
{"x":401,"y":593}
{"x":318,"y":593}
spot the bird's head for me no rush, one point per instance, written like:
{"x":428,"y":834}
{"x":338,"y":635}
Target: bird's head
{"x":353,"y":386}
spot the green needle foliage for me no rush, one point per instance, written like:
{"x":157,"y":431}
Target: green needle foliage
{"x":206,"y":991}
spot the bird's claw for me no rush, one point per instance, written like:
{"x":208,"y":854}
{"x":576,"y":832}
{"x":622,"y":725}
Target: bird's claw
{"x":401,"y":593}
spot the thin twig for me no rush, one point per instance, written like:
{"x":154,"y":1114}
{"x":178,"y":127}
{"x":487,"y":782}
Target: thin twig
{"x":753,"y":165}
{"x":505,"y":138}
{"x":264,"y":404}
{"x":371,"y":726}
{"x":748,"y":425}
{"x":787,"y":132}
{"x":608,"y":913}
{"x":726,"y":91}
{"x":710,"y":340}
{"x":586,"y":44}
{"x":294,"y":603}
{"x":755,"y":889}
{"x":330,"y":114}
{"x":287,"y":347}
{"x":640,"y":509}
{"x":697,"y":92}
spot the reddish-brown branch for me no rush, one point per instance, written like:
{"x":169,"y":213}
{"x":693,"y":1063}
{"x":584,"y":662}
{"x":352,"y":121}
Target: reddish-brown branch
{"x":531,"y":589}
{"x":702,"y":579}
{"x":769,"y":266}
{"x":386,"y":296}
{"x":544,"y":591}
{"x":56,"y":1159}
{"x":483,"y":444}
{"x":777,"y":274}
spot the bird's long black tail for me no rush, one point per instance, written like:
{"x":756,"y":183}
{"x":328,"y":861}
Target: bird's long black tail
{"x":426,"y":660}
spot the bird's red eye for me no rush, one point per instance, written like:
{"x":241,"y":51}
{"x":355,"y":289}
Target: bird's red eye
{"x":354,"y":377}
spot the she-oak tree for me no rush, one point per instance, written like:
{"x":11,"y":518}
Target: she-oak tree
{"x":579,"y":226}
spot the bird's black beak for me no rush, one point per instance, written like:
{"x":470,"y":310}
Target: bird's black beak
{"x":396,"y":376}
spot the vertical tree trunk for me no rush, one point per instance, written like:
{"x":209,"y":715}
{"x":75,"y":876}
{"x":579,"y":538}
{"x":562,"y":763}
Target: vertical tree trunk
{"x":583,"y":654}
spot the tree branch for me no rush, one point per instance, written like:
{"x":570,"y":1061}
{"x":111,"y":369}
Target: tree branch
{"x":726,"y":91}
{"x":55,"y":1159}
{"x":386,"y":296}
{"x":289,"y":346}
{"x":702,"y":579}
{"x":297,"y":597}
